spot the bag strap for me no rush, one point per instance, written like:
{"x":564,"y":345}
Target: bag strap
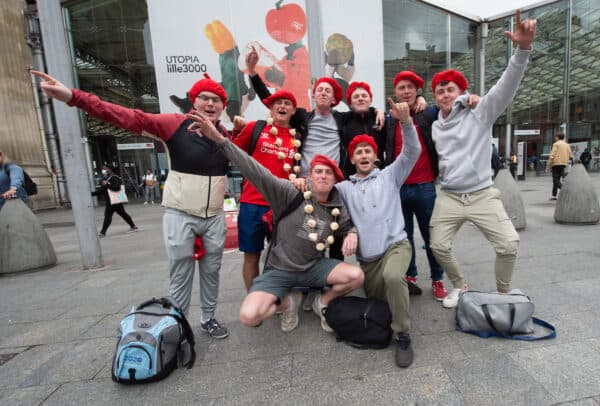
{"x":496,"y":333}
{"x":259,"y":125}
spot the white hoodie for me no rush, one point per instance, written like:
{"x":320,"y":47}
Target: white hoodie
{"x":463,"y":139}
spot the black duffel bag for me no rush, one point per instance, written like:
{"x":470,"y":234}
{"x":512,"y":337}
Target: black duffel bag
{"x":360,"y":322}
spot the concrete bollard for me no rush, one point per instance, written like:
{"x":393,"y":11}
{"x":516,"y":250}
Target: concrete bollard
{"x":24,"y":244}
{"x":577,"y":201}
{"x":511,"y":198}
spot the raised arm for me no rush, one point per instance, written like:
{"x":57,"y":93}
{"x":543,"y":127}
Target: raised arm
{"x":411,"y":147}
{"x":502,"y":93}
{"x":259,"y":86}
{"x":277,"y":192}
{"x":137,"y":121}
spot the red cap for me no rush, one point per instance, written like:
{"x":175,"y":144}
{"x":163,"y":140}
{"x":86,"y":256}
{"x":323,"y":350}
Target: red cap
{"x":337,"y":89}
{"x":325,"y":160}
{"x":450,"y":75}
{"x":207,"y":85}
{"x":361,"y":139}
{"x":280,"y":94}
{"x":408,"y":75}
{"x":355,"y":85}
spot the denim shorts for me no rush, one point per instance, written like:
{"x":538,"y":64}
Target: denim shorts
{"x":279,"y":283}
{"x":251,"y":234}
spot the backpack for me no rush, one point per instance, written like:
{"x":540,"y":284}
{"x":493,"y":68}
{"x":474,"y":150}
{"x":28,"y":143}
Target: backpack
{"x":153,"y":340}
{"x":29,"y":185}
{"x":359,"y":322}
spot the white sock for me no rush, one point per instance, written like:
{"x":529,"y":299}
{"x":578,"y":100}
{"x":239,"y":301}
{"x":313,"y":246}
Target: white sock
{"x":291,"y":302}
{"x":321,"y":305}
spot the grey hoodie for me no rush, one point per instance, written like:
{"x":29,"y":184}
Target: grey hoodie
{"x":463,"y":139}
{"x":291,"y":250}
{"x":374,"y":201}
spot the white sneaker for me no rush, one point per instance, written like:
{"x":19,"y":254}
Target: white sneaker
{"x":152,"y":202}
{"x":289,"y":317}
{"x":451,"y":300}
{"x":320,"y":311}
{"x":145,"y":202}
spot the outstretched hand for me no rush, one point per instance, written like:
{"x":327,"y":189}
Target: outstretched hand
{"x":524,"y":32}
{"x":204,"y":127}
{"x":53,"y":88}
{"x":252,"y":61}
{"x":400,"y":111}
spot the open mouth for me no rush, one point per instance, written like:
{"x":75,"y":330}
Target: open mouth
{"x":282,"y":113}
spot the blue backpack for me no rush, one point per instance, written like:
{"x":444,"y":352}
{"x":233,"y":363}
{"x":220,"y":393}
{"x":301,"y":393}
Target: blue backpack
{"x":154,"y":339}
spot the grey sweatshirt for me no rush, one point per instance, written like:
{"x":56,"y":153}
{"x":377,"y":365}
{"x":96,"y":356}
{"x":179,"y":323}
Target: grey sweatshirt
{"x":463,"y":139}
{"x":291,"y":250}
{"x":374,"y":201}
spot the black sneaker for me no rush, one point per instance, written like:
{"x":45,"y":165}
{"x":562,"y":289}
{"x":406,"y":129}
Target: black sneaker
{"x":413,"y":288}
{"x":214,"y":329}
{"x":101,"y":235}
{"x":404,"y":352}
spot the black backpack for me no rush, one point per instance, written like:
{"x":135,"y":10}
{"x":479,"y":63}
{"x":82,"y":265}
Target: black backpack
{"x":29,"y":185}
{"x":359,"y":322}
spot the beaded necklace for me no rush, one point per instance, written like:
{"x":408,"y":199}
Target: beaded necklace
{"x":312,"y":224}
{"x":281,"y":155}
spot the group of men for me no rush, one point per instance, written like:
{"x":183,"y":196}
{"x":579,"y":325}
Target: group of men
{"x":318,"y":172}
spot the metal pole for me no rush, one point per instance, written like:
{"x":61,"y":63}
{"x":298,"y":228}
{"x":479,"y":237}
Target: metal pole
{"x":565,"y":96}
{"x":315,"y":38}
{"x":69,"y":129}
{"x":484,"y":28}
{"x":509,"y":52}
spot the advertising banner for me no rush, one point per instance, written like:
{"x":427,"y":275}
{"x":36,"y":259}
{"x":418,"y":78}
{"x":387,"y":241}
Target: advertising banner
{"x":190,"y":39}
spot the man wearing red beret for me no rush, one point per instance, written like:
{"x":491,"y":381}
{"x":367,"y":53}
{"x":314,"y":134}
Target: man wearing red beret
{"x":372,"y":198}
{"x":275,"y":148}
{"x":463,"y":140}
{"x":193,"y":194}
{"x":418,"y":191}
{"x":300,"y":237}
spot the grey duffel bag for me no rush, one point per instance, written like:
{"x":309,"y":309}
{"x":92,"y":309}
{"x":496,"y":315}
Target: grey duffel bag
{"x":499,"y":315}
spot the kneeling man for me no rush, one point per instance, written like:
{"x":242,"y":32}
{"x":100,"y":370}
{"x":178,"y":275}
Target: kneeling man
{"x":300,"y":237}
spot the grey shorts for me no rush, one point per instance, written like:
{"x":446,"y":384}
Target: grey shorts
{"x":279,"y":283}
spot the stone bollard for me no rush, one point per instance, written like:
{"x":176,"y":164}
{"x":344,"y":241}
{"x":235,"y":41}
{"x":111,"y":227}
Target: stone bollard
{"x":577,"y":201}
{"x":511,"y":198}
{"x":24,"y":244}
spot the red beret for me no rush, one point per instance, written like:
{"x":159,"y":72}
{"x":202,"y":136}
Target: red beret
{"x":207,"y":85}
{"x":280,"y":94}
{"x":450,"y":75}
{"x":361,"y":139}
{"x":337,"y":89}
{"x":355,"y":85}
{"x":325,"y":160}
{"x":408,"y":75}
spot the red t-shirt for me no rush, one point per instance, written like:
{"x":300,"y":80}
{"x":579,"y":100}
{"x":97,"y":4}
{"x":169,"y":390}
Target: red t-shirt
{"x":266,"y":154}
{"x":422,"y":172}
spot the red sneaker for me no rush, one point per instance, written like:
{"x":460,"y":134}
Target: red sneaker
{"x":413,"y":289}
{"x":439,"y":291}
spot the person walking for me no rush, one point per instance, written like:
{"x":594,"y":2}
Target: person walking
{"x":110,"y":181}
{"x":559,"y":158}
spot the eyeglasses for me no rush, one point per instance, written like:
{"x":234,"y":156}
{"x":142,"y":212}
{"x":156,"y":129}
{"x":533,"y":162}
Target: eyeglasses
{"x":206,"y":99}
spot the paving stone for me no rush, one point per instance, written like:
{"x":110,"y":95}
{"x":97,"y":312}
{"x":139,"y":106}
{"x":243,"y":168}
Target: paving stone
{"x":30,"y":315}
{"x":56,"y":363}
{"x":422,"y":386}
{"x":577,"y":326}
{"x":496,"y":380}
{"x":26,"y":396}
{"x":44,"y":332}
{"x":578,"y":363}
{"x":580,"y":402}
{"x":267,"y":340}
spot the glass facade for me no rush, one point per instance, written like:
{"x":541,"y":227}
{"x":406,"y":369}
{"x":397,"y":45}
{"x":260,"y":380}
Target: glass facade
{"x":113,"y":59}
{"x":112,"y":56}
{"x":426,"y":40}
{"x":554,"y":96}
